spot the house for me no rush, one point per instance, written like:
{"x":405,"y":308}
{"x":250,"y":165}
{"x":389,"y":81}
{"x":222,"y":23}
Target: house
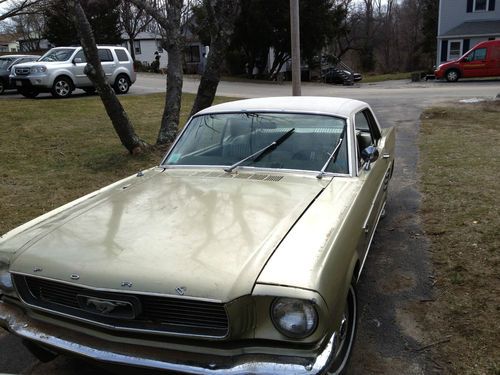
{"x":465,"y":23}
{"x":145,"y":45}
{"x":9,"y":43}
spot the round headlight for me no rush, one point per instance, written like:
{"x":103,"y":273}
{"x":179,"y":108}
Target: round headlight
{"x":6,"y":285}
{"x":293,"y":317}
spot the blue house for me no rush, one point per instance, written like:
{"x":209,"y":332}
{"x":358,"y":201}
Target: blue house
{"x":465,"y":23}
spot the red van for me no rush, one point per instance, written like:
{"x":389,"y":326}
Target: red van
{"x":481,"y":61}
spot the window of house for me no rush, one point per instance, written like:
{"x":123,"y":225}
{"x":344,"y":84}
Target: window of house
{"x":159,"y":48}
{"x":137,"y":47}
{"x":480,"y":5}
{"x":454,"y":49}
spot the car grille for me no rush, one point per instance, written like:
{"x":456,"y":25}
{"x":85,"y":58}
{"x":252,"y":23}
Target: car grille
{"x":22,"y":71}
{"x":157,"y":314}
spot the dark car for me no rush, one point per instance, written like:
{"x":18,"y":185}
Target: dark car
{"x":6,"y":64}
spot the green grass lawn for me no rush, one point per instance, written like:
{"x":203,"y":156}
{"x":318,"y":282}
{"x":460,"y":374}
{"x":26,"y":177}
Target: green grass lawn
{"x":459,"y":171}
{"x":53,"y":151}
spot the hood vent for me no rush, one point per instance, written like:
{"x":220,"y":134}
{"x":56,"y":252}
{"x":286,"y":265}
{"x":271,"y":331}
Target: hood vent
{"x":244,"y":176}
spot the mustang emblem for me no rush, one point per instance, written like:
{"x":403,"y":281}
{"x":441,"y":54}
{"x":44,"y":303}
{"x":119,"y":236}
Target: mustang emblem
{"x":105,"y":306}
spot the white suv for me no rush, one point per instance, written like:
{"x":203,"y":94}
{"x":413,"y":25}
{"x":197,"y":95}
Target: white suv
{"x":60,"y":71}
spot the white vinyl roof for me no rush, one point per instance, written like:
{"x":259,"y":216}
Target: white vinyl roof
{"x":342,"y":107}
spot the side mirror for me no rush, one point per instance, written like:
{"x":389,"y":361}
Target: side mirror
{"x":369,"y":154}
{"x":77,"y":60}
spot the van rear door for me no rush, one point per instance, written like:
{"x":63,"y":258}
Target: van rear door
{"x":494,"y":60}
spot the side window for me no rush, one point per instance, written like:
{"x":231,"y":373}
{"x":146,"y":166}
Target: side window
{"x":105,"y":55}
{"x":121,"y":54}
{"x":81,"y":55}
{"x":480,"y":54}
{"x":366,"y":130}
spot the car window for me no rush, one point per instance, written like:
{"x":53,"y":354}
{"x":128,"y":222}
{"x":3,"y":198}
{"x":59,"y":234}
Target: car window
{"x":81,"y":55}
{"x":105,"y":55}
{"x":224,"y":139}
{"x":366,"y":130}
{"x":4,"y":63}
{"x":478,"y":54}
{"x":121,"y":54}
{"x":60,"y":54}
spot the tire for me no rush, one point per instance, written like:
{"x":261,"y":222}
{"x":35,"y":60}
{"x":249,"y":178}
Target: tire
{"x":122,"y":84}
{"x":347,"y":333}
{"x":62,"y":87}
{"x":452,"y":75}
{"x":2,"y":87}
{"x":28,"y":93}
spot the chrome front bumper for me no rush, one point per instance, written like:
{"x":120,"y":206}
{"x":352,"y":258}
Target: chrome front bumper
{"x":13,"y":319}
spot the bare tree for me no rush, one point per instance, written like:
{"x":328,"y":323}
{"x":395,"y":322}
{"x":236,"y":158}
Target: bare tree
{"x":95,"y":72}
{"x":12,"y":8}
{"x":31,"y":27}
{"x":221,"y":16}
{"x":167,"y":14}
{"x":133,"y":20}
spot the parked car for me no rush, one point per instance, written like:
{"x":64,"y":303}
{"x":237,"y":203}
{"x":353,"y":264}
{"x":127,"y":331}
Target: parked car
{"x":481,"y":61}
{"x":340,"y":76}
{"x":238,"y":254}
{"x":61,"y":70}
{"x":6,"y":64}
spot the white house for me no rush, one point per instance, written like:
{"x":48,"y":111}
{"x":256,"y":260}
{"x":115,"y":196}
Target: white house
{"x":145,"y":46}
{"x":463,"y":24}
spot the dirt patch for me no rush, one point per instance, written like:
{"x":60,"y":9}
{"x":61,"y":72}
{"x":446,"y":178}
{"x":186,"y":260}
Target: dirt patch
{"x":392,"y":284}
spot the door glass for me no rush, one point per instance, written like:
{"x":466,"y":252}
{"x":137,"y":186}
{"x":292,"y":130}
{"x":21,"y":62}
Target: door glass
{"x":480,"y":54}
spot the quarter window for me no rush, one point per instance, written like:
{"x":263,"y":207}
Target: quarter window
{"x":121,"y":54}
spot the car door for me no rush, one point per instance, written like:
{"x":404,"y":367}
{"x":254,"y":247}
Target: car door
{"x":80,"y":62}
{"x":474,"y":64}
{"x":374,"y":176}
{"x":107,"y":61}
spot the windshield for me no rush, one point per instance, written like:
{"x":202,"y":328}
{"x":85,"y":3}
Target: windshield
{"x":60,"y":54}
{"x":225,"y":139}
{"x":4,"y":63}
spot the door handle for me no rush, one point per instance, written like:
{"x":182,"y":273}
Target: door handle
{"x":386,"y":156}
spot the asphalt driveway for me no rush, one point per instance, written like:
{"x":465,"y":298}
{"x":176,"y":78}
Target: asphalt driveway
{"x":397,"y":273}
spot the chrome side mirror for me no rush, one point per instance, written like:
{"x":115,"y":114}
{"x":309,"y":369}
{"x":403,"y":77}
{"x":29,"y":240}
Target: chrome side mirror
{"x":369,"y":155}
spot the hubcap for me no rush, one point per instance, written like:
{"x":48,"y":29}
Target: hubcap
{"x":122,"y":84}
{"x":62,"y":88}
{"x":452,"y":76}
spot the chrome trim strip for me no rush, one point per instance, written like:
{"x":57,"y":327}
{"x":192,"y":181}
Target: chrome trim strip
{"x":21,"y":325}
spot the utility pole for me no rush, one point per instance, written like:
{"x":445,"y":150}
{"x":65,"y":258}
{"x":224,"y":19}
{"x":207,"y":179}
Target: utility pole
{"x":295,"y":38}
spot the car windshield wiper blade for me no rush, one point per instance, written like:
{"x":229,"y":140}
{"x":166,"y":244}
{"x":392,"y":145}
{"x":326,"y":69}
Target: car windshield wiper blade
{"x":333,"y":155}
{"x":257,"y":155}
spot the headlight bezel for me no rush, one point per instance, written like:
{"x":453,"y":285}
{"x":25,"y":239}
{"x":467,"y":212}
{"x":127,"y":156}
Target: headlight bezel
{"x":6,"y":283}
{"x":294,"y":302}
{"x":38,"y":69}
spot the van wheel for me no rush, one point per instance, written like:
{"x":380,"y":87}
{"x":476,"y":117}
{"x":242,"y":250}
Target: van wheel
{"x":62,"y":87}
{"x":28,"y":93}
{"x":452,"y":75}
{"x":346,"y":334}
{"x":122,"y":84}
{"x":2,"y":87}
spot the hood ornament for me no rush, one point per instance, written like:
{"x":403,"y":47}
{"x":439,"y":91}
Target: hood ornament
{"x":37,"y":269}
{"x":127,"y":284}
{"x":74,"y":276}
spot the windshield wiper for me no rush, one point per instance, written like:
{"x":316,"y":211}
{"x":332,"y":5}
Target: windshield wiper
{"x":259,"y":154}
{"x":333,"y":155}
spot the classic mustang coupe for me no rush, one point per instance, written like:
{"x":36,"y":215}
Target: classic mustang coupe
{"x":238,"y":254}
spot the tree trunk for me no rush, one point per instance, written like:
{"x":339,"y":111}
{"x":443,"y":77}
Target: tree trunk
{"x":171,"y":24}
{"x":132,"y":47}
{"x":221,"y":15}
{"x":94,"y":71}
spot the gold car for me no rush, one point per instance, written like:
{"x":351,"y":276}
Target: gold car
{"x":238,"y":254}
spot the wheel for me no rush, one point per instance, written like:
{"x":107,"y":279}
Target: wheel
{"x":452,"y":75}
{"x":346,"y":334}
{"x":62,"y":87}
{"x":2,"y":87}
{"x":122,"y":84}
{"x":89,"y":90}
{"x":28,"y":93}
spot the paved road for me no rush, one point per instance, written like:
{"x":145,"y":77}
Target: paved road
{"x":397,"y":272}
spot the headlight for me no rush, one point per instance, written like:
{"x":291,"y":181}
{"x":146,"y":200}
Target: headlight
{"x":38,"y":69}
{"x":6,"y":286}
{"x":293,"y":317}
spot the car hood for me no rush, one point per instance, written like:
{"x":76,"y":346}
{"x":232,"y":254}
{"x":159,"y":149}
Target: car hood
{"x":208,"y":233}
